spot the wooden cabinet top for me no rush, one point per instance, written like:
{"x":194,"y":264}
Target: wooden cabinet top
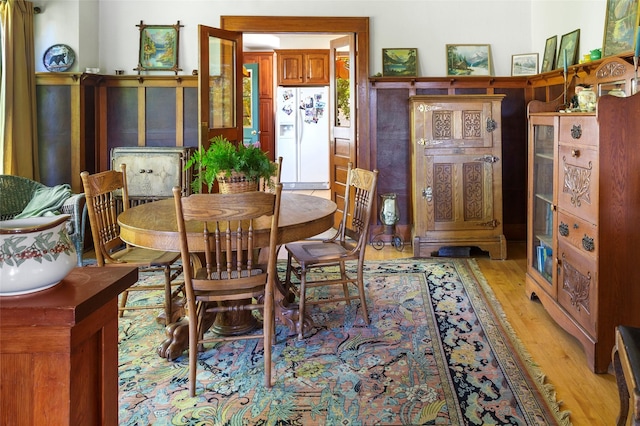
{"x":78,"y":295}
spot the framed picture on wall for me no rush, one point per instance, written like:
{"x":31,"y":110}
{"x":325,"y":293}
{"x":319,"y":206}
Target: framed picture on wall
{"x":400,"y":62}
{"x":620,"y":24}
{"x":158,"y":47}
{"x":569,"y":44}
{"x":524,"y":64}
{"x":469,"y":59}
{"x":549,"y":57}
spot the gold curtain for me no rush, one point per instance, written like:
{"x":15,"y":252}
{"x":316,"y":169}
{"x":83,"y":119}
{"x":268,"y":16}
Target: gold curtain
{"x":18,"y":127}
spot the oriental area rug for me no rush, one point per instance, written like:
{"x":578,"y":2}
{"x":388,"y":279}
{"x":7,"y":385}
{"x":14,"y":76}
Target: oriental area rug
{"x":438,"y":351}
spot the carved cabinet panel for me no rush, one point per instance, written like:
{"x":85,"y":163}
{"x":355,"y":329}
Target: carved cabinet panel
{"x":457,"y":173}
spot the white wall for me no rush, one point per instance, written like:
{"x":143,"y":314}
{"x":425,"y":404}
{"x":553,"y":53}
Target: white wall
{"x":509,"y":26}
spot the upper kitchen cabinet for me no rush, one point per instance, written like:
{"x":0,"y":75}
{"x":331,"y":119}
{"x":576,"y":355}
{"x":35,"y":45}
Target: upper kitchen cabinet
{"x":308,"y":67}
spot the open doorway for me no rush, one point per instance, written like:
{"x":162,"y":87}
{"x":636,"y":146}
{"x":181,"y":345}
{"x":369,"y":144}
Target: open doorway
{"x":358,"y":149}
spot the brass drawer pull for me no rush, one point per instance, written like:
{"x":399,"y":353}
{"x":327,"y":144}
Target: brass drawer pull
{"x":563,"y":229}
{"x":576,"y":131}
{"x":575,"y":153}
{"x":587,"y":243}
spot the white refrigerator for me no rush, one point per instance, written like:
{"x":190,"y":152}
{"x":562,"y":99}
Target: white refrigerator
{"x":302,"y":137}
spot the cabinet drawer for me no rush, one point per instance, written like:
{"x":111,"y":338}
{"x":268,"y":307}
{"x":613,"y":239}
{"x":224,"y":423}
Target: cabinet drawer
{"x":578,"y":182}
{"x":152,"y":172}
{"x":577,"y":286}
{"x":581,"y":130}
{"x":579,"y":233}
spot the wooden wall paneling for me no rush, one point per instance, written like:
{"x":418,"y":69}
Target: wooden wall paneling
{"x":392,"y":152}
{"x":122,"y":126}
{"x":142,"y":116}
{"x":190,"y":122}
{"x":55,"y":122}
{"x":147,"y":111}
{"x":179,"y":130}
{"x":161,"y":112}
{"x":514,"y":167}
{"x":67,"y":132}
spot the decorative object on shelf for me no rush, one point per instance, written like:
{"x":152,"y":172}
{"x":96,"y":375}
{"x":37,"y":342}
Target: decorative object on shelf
{"x":400,"y":62}
{"x":58,"y":58}
{"x":469,"y":59}
{"x":621,"y":21}
{"x":587,"y":99}
{"x":389,"y":216}
{"x":617,"y":91}
{"x":568,"y":52}
{"x":237,"y":168}
{"x":549,"y":57}
{"x":159,"y":45}
{"x":595,"y":54}
{"x":524,"y":64}
{"x":36,"y":253}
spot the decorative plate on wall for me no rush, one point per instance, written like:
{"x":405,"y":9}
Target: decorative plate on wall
{"x":59,"y":57}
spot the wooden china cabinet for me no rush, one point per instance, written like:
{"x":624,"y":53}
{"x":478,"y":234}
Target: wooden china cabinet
{"x":584,"y":211}
{"x":456,"y":144}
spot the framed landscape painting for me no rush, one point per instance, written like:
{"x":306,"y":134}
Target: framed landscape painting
{"x":549,"y":58}
{"x":469,"y":59}
{"x":569,"y":44}
{"x":621,"y":21}
{"x":524,"y":64}
{"x":400,"y":62}
{"x":158,"y":47}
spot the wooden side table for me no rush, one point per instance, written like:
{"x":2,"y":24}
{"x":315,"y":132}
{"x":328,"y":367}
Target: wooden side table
{"x":59,"y":350}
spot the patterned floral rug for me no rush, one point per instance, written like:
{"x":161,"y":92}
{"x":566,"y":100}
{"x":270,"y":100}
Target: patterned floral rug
{"x":438,"y":352}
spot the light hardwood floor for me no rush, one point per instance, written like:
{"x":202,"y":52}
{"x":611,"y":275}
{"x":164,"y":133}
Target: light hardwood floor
{"x":591,"y":398}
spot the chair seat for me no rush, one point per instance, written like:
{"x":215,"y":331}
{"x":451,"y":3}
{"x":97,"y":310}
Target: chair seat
{"x":142,"y":257}
{"x":315,"y":252}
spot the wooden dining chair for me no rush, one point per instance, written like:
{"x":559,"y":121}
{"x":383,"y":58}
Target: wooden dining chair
{"x":232,"y":279}
{"x":106,"y":194}
{"x":348,"y":243}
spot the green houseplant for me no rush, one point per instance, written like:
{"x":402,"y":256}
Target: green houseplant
{"x":229,"y":163}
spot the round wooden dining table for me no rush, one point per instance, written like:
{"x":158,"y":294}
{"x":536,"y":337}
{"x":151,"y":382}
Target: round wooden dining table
{"x":153,"y":225}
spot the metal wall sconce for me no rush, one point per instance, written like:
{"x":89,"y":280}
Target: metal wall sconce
{"x":389,"y":216}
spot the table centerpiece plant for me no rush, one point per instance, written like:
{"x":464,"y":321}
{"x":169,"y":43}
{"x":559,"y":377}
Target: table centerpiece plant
{"x":237,"y":168}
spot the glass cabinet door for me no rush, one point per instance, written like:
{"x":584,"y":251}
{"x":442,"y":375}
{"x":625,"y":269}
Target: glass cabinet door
{"x":542,"y":203}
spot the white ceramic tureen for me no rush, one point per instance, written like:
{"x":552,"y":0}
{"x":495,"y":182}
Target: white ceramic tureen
{"x":35,"y":253}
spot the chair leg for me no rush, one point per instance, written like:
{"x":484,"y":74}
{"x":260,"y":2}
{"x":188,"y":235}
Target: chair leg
{"x":194,"y":333}
{"x":345,"y":283}
{"x":363,"y":299}
{"x":123,"y":303}
{"x":268,"y":332}
{"x":302,"y":301}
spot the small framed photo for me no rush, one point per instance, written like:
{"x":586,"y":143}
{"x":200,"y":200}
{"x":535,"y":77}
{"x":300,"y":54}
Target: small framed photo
{"x":524,"y":64}
{"x":469,"y":59}
{"x":620,"y":24}
{"x":400,"y":62}
{"x":158,"y":47}
{"x":549,"y":57}
{"x":569,"y":44}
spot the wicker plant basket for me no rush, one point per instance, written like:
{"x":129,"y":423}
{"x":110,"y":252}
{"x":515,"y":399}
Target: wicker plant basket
{"x":235,"y":183}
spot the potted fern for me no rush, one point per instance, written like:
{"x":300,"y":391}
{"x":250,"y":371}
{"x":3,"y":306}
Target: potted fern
{"x":237,"y":168}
